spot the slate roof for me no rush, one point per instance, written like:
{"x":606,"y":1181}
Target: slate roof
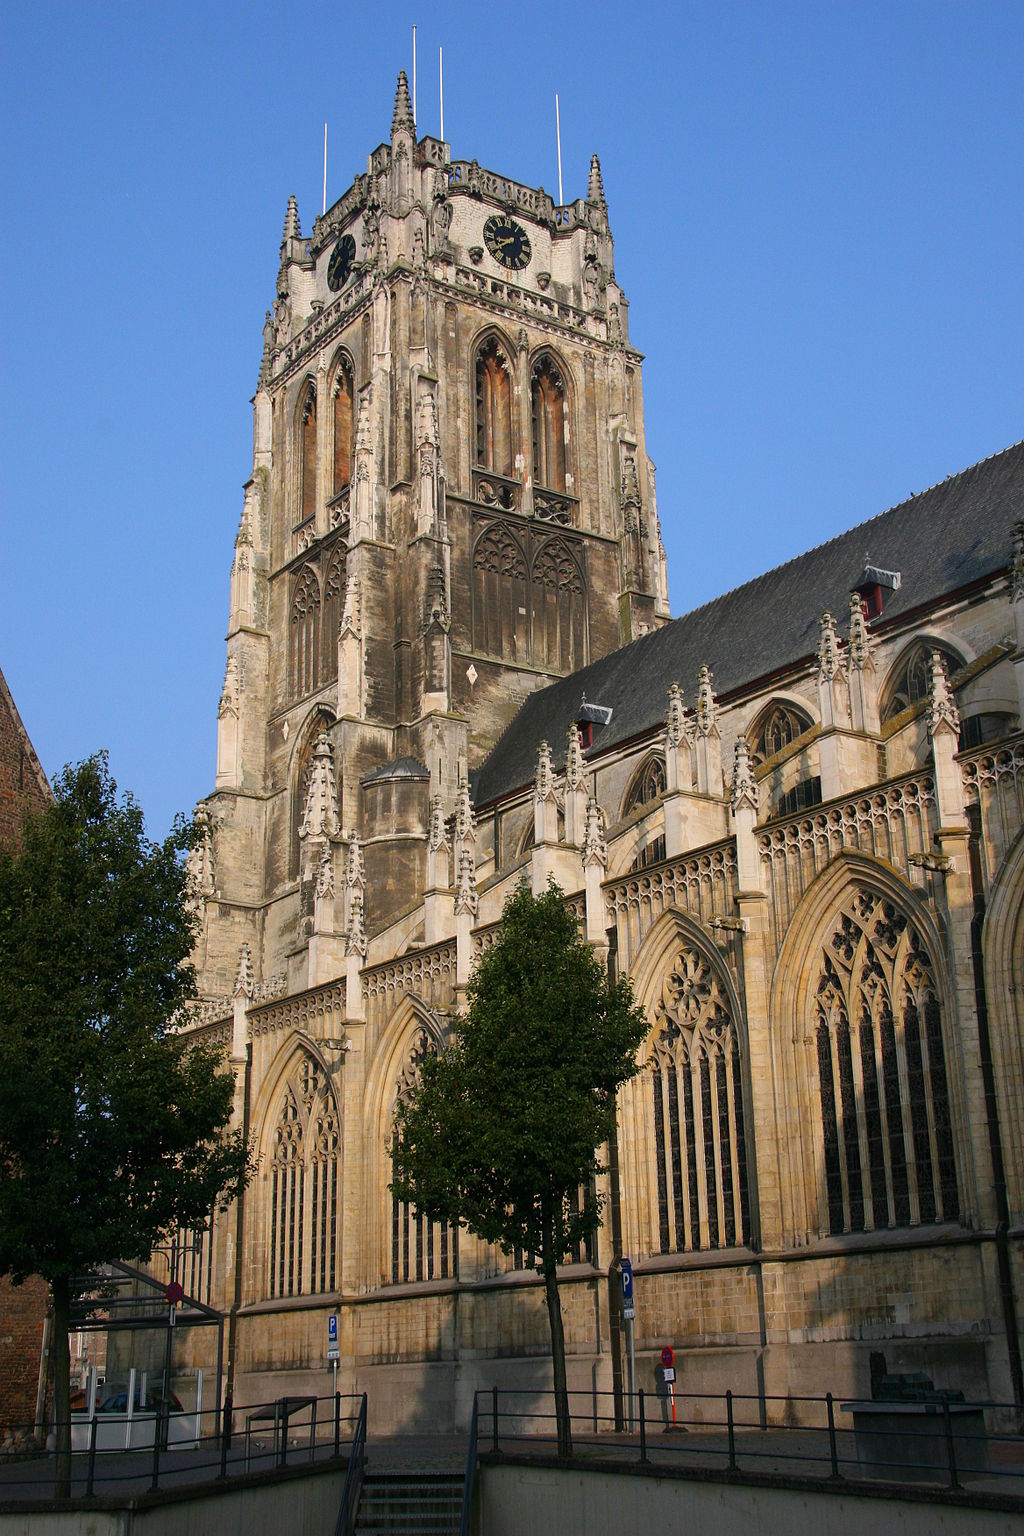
{"x":398,"y":768}
{"x":941,"y":540}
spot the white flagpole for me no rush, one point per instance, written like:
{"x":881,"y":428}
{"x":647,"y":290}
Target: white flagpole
{"x":558,"y":137}
{"x":440,"y":72}
{"x":414,"y":74}
{"x":324,"y":209}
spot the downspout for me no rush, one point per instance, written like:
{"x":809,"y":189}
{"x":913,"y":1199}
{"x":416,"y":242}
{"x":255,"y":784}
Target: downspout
{"x":229,"y":1394}
{"x":614,"y":1281}
{"x":992,"y":1112}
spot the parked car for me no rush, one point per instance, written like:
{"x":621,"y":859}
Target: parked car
{"x":117,"y":1402}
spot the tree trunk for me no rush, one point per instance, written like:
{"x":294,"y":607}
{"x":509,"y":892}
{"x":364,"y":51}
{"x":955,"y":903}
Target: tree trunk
{"x":558,"y":1359}
{"x":61,"y":1288}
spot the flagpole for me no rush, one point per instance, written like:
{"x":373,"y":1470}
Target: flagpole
{"x":440,"y":73}
{"x":414,"y":74}
{"x":324,"y":210}
{"x":558,"y":137}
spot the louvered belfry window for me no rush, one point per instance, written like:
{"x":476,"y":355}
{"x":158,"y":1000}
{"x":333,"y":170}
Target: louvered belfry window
{"x":493,"y":410}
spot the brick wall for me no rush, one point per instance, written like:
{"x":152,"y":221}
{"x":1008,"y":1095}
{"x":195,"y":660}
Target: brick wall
{"x":23,"y":789}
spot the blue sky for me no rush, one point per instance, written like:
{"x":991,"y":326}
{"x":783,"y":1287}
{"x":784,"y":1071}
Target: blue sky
{"x":818,"y":215}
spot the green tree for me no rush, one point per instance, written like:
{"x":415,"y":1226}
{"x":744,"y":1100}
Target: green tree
{"x":114,"y":1128}
{"x":504,"y":1130}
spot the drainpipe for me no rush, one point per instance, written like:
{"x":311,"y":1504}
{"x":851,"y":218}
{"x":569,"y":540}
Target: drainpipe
{"x":614,"y":1282}
{"x":992,"y":1112}
{"x":229,"y":1394}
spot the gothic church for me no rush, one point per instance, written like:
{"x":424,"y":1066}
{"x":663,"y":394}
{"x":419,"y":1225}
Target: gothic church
{"x":795,"y":817}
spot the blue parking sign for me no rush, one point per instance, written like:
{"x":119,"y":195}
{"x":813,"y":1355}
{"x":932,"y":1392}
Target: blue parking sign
{"x":332,"y":1328}
{"x":626,"y":1274}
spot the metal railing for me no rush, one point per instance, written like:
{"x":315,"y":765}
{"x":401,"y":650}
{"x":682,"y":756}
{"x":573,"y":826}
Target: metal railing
{"x":353,"y":1477}
{"x":467,"y":1488}
{"x":221,"y":1443}
{"x":947,"y":1444}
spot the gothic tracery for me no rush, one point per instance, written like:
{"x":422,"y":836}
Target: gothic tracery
{"x":885,"y":1110}
{"x":305,"y":1154}
{"x":697,"y":1102}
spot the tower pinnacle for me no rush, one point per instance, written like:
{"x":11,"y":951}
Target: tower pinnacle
{"x":292,"y":230}
{"x":401,"y":117}
{"x":595,"y":186}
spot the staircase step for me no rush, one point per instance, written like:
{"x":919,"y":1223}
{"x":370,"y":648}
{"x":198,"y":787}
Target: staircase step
{"x":410,"y":1504}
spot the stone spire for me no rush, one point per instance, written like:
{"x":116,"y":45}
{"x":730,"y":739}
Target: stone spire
{"x":355,"y":936}
{"x":320,"y":816}
{"x":401,"y":117}
{"x":675,"y":720}
{"x":574,"y":759}
{"x":1017,"y":573}
{"x":942,"y":710}
{"x":860,"y":671}
{"x":860,"y":640}
{"x":744,"y":788}
{"x":355,"y":873}
{"x":292,"y":228}
{"x":707,"y":740}
{"x":595,"y":186}
{"x":595,"y":848}
{"x":466,"y":899}
{"x":245,"y":981}
{"x":707,"y":710}
{"x":828,"y":649}
{"x":437,"y":835}
{"x":465,"y":824}
{"x":544,"y":781}
{"x":325,"y":873}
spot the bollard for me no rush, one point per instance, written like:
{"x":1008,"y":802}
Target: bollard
{"x":732,"y":1432}
{"x":643,"y":1427}
{"x":494,"y":1416}
{"x":91,"y":1476}
{"x":954,"y":1481}
{"x":832,"y":1448}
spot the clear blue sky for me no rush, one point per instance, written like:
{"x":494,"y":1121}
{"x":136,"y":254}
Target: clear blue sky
{"x":818,"y":215}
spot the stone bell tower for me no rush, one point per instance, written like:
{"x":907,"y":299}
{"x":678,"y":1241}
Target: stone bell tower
{"x":450,"y":505}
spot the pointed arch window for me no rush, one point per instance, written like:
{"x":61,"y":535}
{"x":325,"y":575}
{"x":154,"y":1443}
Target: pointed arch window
{"x":647,"y":784}
{"x":549,"y":422}
{"x":910,"y":679}
{"x":305,"y":633}
{"x":334,"y":600}
{"x":305,"y":1157}
{"x":420,"y":1249}
{"x":886,"y":1125}
{"x":493,"y":410}
{"x":344,"y":425}
{"x":499,"y":595}
{"x":696,"y":1096}
{"x":775,"y":730}
{"x":558,"y":609}
{"x":307,"y":456}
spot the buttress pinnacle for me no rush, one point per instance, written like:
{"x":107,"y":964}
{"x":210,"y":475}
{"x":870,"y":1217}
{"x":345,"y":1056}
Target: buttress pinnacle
{"x":402,"y":117}
{"x":292,"y":231}
{"x":595,"y":186}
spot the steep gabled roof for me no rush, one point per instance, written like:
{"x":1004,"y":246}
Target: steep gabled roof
{"x":942,"y":540}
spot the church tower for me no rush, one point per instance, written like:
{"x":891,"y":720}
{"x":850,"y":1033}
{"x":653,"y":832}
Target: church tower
{"x":450,"y":506}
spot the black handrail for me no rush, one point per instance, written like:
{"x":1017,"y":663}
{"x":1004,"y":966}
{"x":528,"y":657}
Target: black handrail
{"x":353,"y":1477}
{"x":467,"y":1487}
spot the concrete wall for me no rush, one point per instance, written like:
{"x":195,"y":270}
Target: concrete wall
{"x":519,"y":1500}
{"x":306,"y":1502}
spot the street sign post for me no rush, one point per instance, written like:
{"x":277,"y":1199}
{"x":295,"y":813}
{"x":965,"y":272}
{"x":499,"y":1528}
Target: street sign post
{"x":332,"y":1346}
{"x":629,"y":1313}
{"x":668,"y":1361}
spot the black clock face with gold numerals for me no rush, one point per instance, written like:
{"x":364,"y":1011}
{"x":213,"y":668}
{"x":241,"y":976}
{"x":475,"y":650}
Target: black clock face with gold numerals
{"x":340,"y":264}
{"x":507,"y":241}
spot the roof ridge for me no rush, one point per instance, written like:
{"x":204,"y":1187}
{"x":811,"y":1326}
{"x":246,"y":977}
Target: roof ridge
{"x":844,"y":533}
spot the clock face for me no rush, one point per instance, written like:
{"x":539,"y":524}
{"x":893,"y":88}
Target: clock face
{"x":340,"y":264}
{"x":507,"y":241}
